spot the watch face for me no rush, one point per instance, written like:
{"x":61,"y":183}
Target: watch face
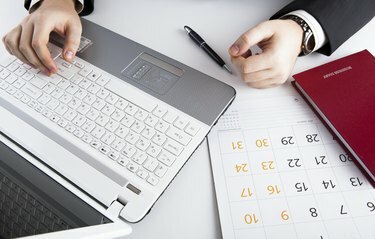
{"x":310,"y":43}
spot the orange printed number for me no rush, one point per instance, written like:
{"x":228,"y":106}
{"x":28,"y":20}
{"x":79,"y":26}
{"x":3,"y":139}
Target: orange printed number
{"x":284,"y":215}
{"x":246,"y":193}
{"x":273,"y":189}
{"x":251,"y":218}
{"x":262,"y":143}
{"x":241,"y":168}
{"x":268,"y":165}
{"x":237,"y":145}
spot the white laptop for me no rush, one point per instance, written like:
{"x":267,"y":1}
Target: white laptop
{"x":114,"y":128}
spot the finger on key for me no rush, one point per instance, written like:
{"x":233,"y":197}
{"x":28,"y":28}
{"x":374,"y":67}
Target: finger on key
{"x":39,"y":44}
{"x":72,"y":40}
{"x":27,"y":50}
{"x":11,"y":41}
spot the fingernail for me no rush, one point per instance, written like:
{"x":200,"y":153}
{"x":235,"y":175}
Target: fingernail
{"x":234,"y":49}
{"x":69,"y":55}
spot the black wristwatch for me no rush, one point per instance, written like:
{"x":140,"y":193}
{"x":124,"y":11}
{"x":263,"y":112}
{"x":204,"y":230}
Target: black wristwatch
{"x":308,"y":39}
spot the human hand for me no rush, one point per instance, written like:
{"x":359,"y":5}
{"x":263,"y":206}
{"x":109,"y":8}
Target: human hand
{"x":28,"y":41}
{"x":280,"y":41}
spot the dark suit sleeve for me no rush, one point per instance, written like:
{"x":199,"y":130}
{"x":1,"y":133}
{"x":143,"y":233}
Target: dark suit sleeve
{"x":88,"y":7}
{"x":340,"y":19}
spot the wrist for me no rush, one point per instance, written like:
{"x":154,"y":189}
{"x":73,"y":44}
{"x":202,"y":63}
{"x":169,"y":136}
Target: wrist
{"x":38,"y":3}
{"x":308,"y":39}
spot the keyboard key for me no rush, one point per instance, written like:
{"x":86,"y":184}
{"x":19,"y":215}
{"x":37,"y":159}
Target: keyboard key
{"x":11,"y":78}
{"x":93,"y":88}
{"x":160,"y":112}
{"x":142,"y":144}
{"x":173,"y":147}
{"x":112,"y":99}
{"x":166,"y":158}
{"x":49,"y":88}
{"x":170,"y":117}
{"x":142,"y":174}
{"x":98,"y":104}
{"x":93,"y":114}
{"x":13,"y":66}
{"x":32,"y":91}
{"x":151,"y":164}
{"x":108,"y":109}
{"x":118,"y":144}
{"x":180,"y":123}
{"x":113,"y":155}
{"x":85,"y":71}
{"x":20,"y":71}
{"x":123,"y":161}
{"x":132,"y":137}
{"x":98,"y":132}
{"x":78,"y":133}
{"x":104,"y":149}
{"x":88,"y":126}
{"x":127,"y":121}
{"x":159,"y":139}
{"x":122,"y":131}
{"x":178,"y":135}
{"x":112,"y":125}
{"x":102,"y":93}
{"x":162,"y":126}
{"x":151,"y":120}
{"x":4,"y":74}
{"x":93,"y":76}
{"x":138,"y":127}
{"x":95,"y":144}
{"x":118,"y":115}
{"x":148,"y":132}
{"x":102,"y":120}
{"x":64,"y":72}
{"x":132,"y":167}
{"x":121,"y":104}
{"x":52,"y":104}
{"x":102,"y":80}
{"x":152,"y":180}
{"x":140,"y":157}
{"x":141,"y":115}
{"x":108,"y":138}
{"x":160,"y":170}
{"x":79,"y":64}
{"x":7,"y":60}
{"x":131,"y":109}
{"x":153,"y":150}
{"x":63,"y":84}
{"x":129,"y":150}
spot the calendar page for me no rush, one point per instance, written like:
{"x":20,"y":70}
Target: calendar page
{"x":279,"y":173}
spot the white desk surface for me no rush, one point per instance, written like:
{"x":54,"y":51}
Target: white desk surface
{"x":188,"y":208}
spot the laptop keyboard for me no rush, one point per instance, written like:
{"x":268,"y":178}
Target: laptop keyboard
{"x":136,"y":134}
{"x":21,"y":214}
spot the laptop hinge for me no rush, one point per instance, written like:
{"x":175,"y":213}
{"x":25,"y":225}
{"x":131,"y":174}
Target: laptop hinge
{"x":115,"y":208}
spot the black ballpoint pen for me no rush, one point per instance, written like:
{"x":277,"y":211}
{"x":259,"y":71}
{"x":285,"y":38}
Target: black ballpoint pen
{"x":202,"y":44}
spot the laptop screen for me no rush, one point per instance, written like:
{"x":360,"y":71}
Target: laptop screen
{"x":33,"y":203}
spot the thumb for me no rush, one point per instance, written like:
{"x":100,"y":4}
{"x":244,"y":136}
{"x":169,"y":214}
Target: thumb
{"x":72,"y":40}
{"x":250,"y":38}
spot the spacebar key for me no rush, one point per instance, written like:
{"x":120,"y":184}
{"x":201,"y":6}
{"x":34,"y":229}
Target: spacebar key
{"x":131,"y":94}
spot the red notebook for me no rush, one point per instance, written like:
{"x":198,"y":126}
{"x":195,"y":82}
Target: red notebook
{"x":342,"y":92}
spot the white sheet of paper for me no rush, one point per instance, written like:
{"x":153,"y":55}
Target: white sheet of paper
{"x":279,"y":173}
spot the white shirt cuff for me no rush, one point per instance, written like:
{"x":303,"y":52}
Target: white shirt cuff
{"x":35,"y":3}
{"x":316,"y":28}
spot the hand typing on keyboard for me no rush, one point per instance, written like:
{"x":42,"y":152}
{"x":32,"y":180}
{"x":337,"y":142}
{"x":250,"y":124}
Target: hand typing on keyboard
{"x":134,"y":135}
{"x":28,"y":41}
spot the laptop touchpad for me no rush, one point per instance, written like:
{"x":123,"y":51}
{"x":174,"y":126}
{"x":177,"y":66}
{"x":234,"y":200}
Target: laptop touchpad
{"x":153,"y":73}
